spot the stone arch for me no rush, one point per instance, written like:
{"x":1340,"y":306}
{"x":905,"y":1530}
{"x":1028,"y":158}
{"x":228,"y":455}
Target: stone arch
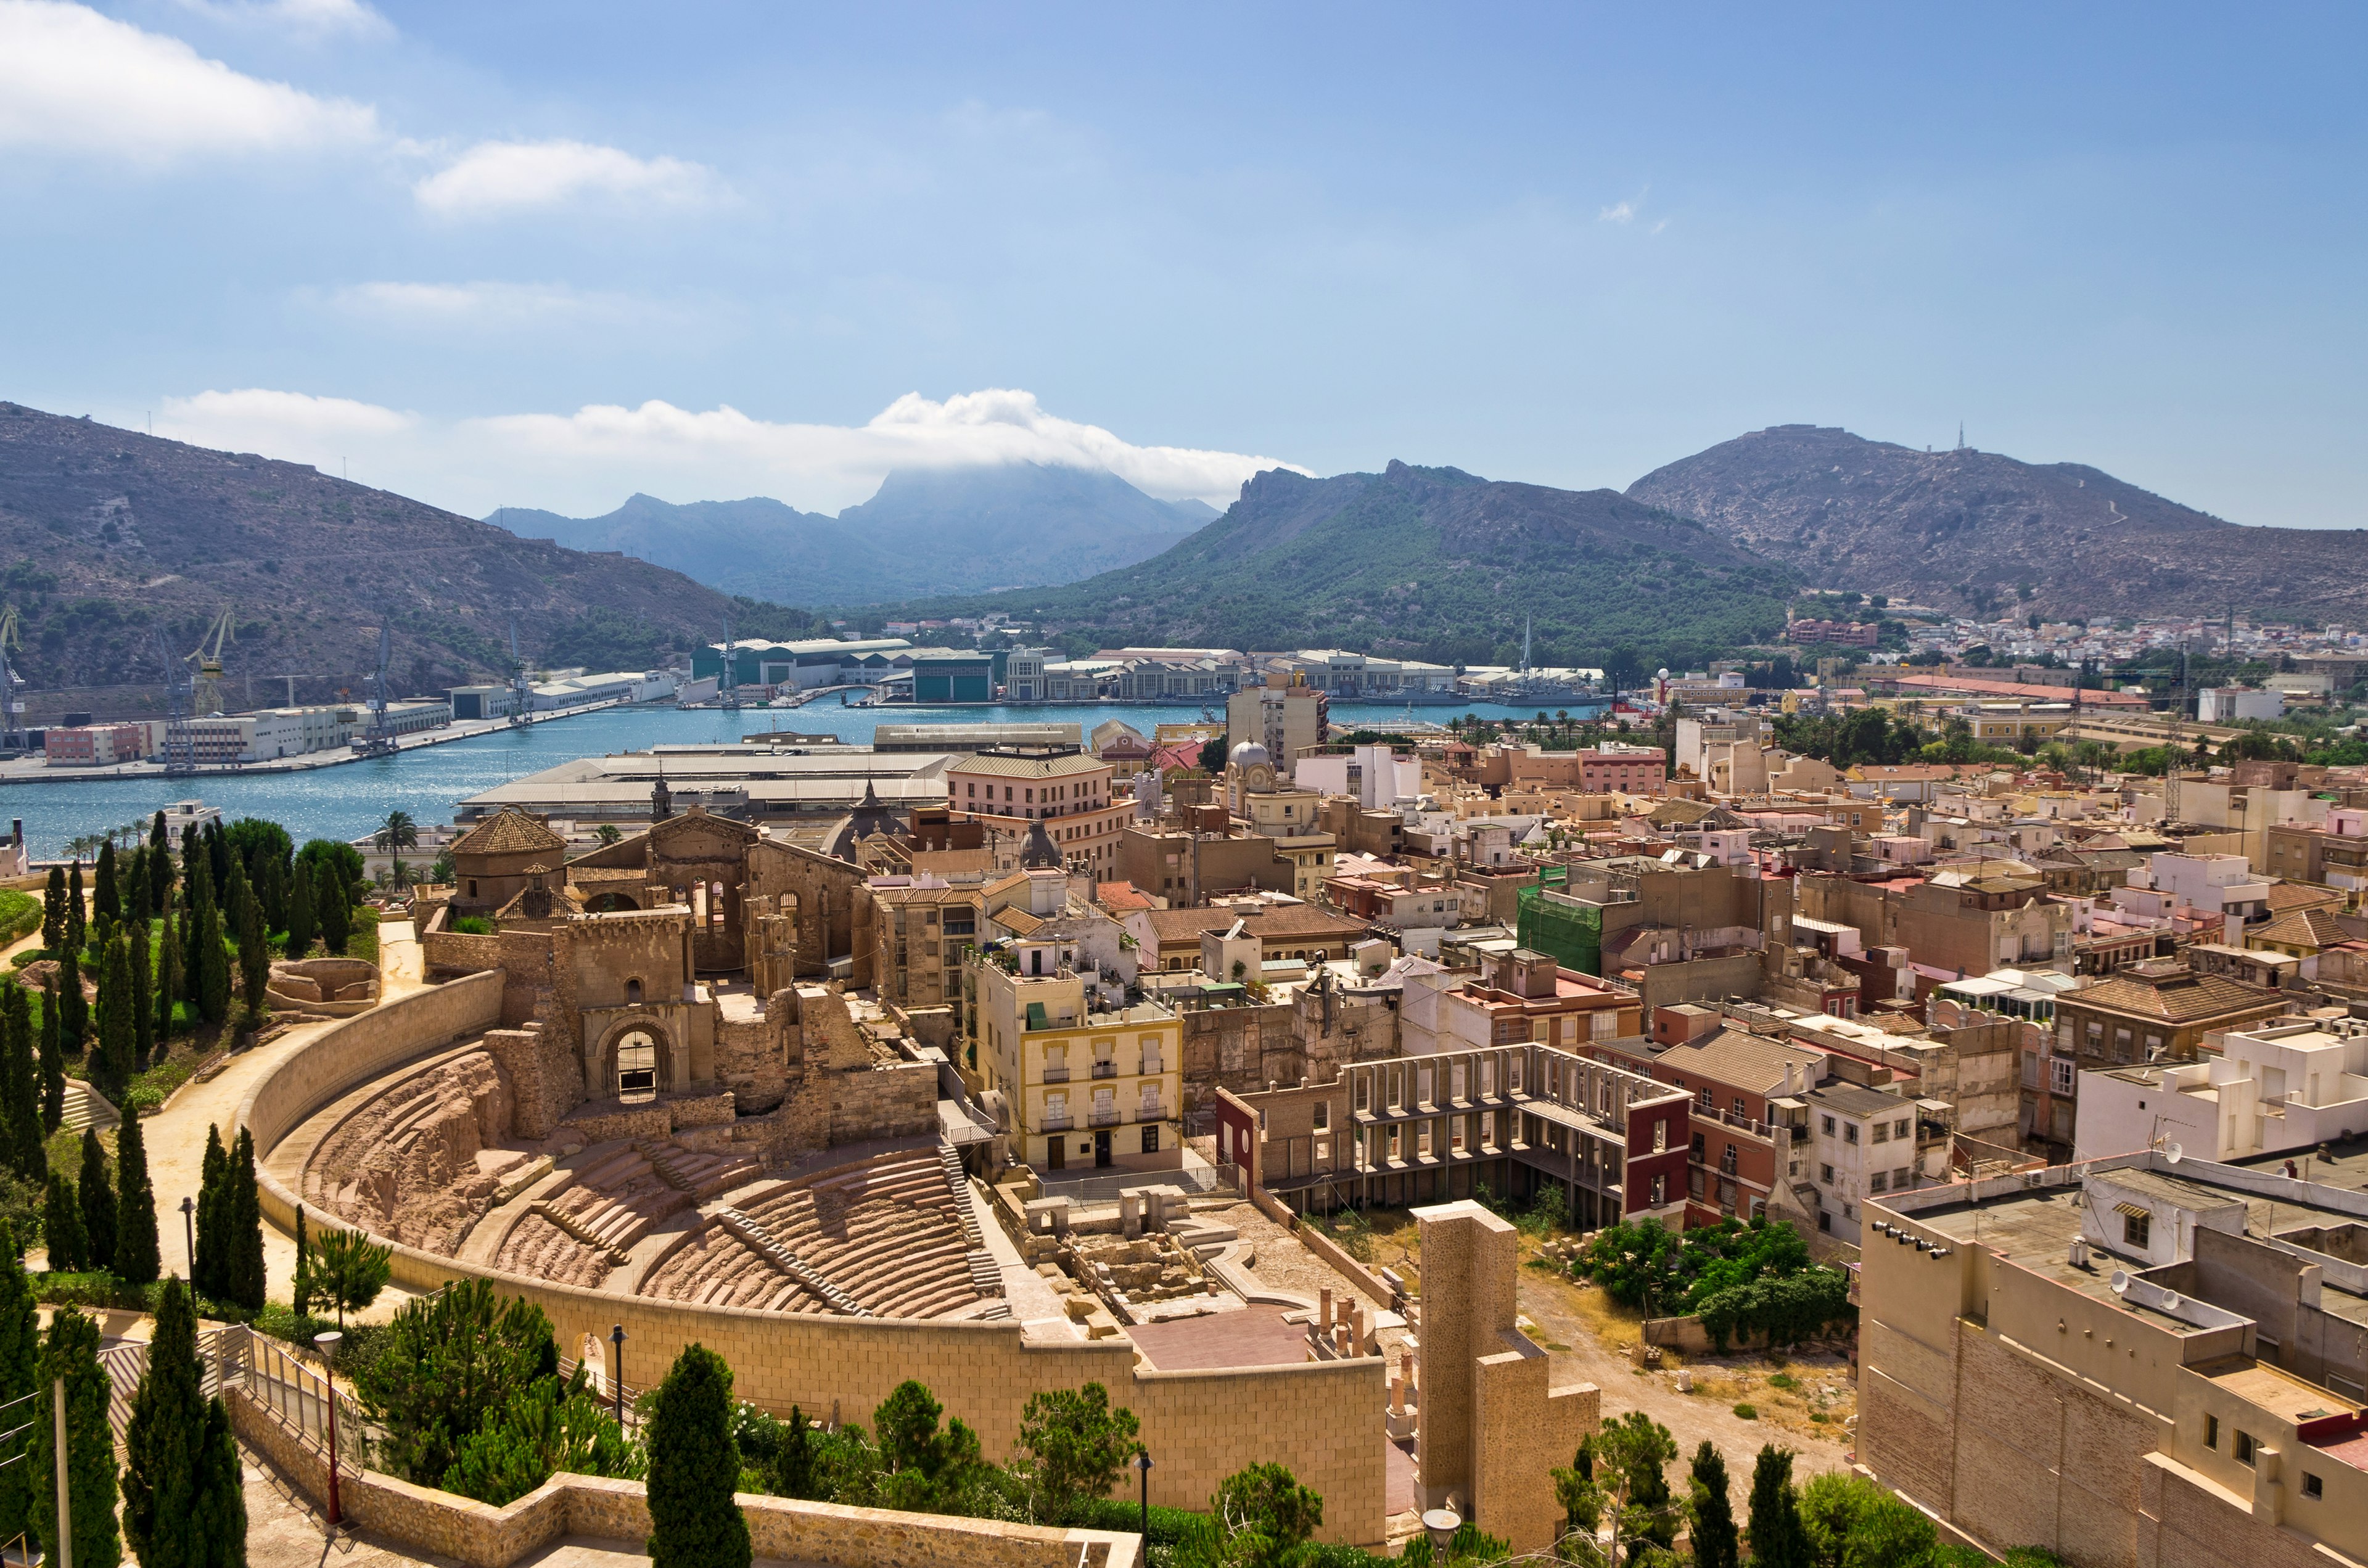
{"x":636,"y":1059}
{"x":610,"y":903}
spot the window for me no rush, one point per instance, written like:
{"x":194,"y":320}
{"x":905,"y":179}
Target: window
{"x":1151,"y":1140}
{"x":1741,"y":1105}
{"x":1879,"y":1183}
{"x":1882,"y":1132}
{"x":1899,"y":1128}
{"x":2211,"y":1431}
{"x":2059,"y":1075}
{"x":2243,"y":1448}
{"x":1900,"y":1179}
{"x":1825,"y":1175}
{"x":2312,"y":1487}
{"x":632,"y":993}
{"x":1829,"y":1127}
{"x":1705,"y":1098}
{"x":2137,"y":1229}
{"x":1323,"y":1115}
{"x":1850,"y":1131}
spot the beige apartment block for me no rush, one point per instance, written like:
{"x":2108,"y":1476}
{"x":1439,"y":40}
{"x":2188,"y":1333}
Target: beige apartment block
{"x":1087,"y":1084}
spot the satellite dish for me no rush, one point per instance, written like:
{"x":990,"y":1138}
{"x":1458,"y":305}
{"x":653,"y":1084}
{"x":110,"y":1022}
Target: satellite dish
{"x":2120,"y":1281}
{"x":2173,"y":1153}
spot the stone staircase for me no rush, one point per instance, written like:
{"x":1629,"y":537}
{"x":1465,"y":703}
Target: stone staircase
{"x":702,"y":1176}
{"x":85,"y":1106}
{"x":760,"y":1241}
{"x":985,"y":1275}
{"x":577,"y":1229}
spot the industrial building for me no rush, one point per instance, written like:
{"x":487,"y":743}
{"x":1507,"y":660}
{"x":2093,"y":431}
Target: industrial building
{"x":797,"y":666}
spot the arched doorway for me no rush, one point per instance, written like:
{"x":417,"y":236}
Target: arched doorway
{"x":634,"y":1076}
{"x":611,"y":903}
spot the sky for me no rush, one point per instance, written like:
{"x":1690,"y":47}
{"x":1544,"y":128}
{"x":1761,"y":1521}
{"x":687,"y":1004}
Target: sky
{"x":546,"y":255}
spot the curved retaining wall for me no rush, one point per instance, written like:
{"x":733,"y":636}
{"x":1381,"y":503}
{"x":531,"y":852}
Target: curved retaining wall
{"x":1323,"y":1419}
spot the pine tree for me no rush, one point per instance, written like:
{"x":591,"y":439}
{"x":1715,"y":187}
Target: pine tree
{"x":160,"y":866}
{"x":53,"y":1056}
{"x":111,"y":1058}
{"x":170,"y":985}
{"x":53,"y":912}
{"x":98,"y":1196}
{"x":62,"y":1227}
{"x":301,"y":925}
{"x":105,"y":897}
{"x":77,"y":917}
{"x":1711,"y":1511}
{"x":332,"y":906}
{"x":136,"y":1254}
{"x":74,"y":1007}
{"x":143,"y":1000}
{"x":71,"y":1354}
{"x":182,"y":1506}
{"x":21,"y":1359}
{"x":1777,"y":1538}
{"x":254,"y":962}
{"x":244,"y":1281}
{"x":694,"y":1467}
{"x":20,"y":1096}
{"x":206,"y":1269}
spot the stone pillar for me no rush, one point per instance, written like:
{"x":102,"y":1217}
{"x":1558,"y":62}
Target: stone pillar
{"x":1324,"y":1310}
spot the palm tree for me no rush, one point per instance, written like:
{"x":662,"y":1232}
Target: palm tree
{"x":398,"y":831}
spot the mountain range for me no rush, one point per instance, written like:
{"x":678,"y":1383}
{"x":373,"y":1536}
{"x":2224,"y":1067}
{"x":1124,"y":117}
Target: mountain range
{"x":1974,"y":530}
{"x":111,"y":538}
{"x":929,"y":530}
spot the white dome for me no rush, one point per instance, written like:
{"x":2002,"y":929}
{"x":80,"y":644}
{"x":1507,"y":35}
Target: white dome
{"x":1248,"y":754}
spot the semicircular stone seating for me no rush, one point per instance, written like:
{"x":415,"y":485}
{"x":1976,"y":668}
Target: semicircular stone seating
{"x":884,"y":1233}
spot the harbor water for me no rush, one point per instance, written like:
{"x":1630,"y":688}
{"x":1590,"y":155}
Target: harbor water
{"x":351,"y":799}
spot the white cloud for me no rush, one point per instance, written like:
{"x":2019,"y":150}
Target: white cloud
{"x":588,"y":461}
{"x":316,"y":19}
{"x":74,"y":81}
{"x":1618,"y":212}
{"x":498,"y":176}
{"x":490,"y":304}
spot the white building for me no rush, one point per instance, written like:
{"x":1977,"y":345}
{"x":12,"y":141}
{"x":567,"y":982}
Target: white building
{"x":2224,"y":704}
{"x":1376,"y":777}
{"x":271,"y":733}
{"x":2225,"y":885}
{"x":2282,"y":1086}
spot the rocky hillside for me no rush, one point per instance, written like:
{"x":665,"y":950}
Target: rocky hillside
{"x":926,"y":532}
{"x":1975,"y":530}
{"x":1432,"y":563}
{"x":109,"y":537}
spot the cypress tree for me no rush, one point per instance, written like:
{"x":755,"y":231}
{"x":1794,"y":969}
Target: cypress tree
{"x":197,"y":875}
{"x":169,"y":982}
{"x":20,"y":1360}
{"x":254,"y":962}
{"x":111,"y":1061}
{"x":98,"y":1196}
{"x":136,"y":908}
{"x":218,"y":855}
{"x":144,"y":998}
{"x":174,"y":1510}
{"x":332,"y":906}
{"x":71,"y":1354}
{"x":271,"y":882}
{"x":53,"y":1056}
{"x":136,"y":1253}
{"x":53,"y":912}
{"x":74,"y":1007}
{"x":20,"y":1096}
{"x":210,"y":959}
{"x":1711,"y":1511}
{"x":107,"y":897}
{"x":205,"y":1270}
{"x":300,"y":927}
{"x":243,"y":1263}
{"x":160,"y":866}
{"x":62,"y":1227}
{"x":300,"y":1291}
{"x":1777,"y":1538}
{"x":77,"y":917}
{"x":694,"y":1467}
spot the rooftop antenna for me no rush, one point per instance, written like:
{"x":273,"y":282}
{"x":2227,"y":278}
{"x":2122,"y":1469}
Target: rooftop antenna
{"x":1961,"y":435}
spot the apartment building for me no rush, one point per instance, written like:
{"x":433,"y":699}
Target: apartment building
{"x":912,"y":932}
{"x":2272,"y":1090}
{"x":1088,"y":1084}
{"x":2136,"y":1360}
{"x":1743,"y":1156}
{"x":1863,"y":1143}
{"x":1971,"y":922}
{"x":2334,"y":855}
{"x":2156,"y":1011}
{"x":1065,"y":787}
{"x":1285,"y":716}
{"x":1170,"y":939}
{"x":1516,"y":995}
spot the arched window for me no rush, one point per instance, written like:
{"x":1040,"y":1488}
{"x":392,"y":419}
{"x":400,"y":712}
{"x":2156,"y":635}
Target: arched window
{"x":632,"y":993}
{"x":637,"y":1067}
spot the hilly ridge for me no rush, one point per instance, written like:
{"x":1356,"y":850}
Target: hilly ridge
{"x":110,"y":537}
{"x":1978,"y":530}
{"x":926,"y":531}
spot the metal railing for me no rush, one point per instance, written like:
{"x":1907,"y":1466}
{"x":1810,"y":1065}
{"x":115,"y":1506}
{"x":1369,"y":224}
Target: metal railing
{"x":1056,"y":1074}
{"x":1104,"y":1118}
{"x":1105,"y":1069}
{"x":1060,"y":1123}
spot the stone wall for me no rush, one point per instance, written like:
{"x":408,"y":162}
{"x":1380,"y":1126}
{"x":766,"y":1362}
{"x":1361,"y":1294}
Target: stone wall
{"x":1323,"y":1420}
{"x":545,"y":1081}
{"x":779,"y":1528}
{"x":899,"y":1100}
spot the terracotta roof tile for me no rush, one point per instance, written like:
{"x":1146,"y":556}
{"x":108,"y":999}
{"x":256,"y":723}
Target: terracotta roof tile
{"x":511,"y":832}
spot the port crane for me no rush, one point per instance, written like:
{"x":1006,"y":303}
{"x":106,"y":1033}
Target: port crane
{"x":207,"y":661}
{"x":12,"y":709}
{"x":379,"y":739}
{"x":180,"y":745}
{"x":521,"y":688}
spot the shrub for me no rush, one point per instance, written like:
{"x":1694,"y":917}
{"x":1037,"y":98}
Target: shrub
{"x":1747,"y":1411}
{"x":548,"y":1427}
{"x":20,"y":914}
{"x":474,"y":925}
{"x":694,"y":1467}
{"x":450,"y":1361}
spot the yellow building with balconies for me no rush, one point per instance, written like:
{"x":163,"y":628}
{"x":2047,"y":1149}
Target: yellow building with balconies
{"x":1088,"y":1085}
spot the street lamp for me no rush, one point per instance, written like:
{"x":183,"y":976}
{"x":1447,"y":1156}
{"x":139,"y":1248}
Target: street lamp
{"x":1142,"y":1465}
{"x":189,"y":1233}
{"x":326,"y":1344}
{"x":616,"y":1371}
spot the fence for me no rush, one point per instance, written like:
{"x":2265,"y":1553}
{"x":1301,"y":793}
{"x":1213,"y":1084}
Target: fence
{"x":1108,"y":1189}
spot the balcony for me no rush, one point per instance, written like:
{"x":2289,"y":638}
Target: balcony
{"x":1149,"y":1112}
{"x":1056,"y":1074}
{"x":1104,"y":1118}
{"x":1105,"y":1069}
{"x":1060,"y":1123}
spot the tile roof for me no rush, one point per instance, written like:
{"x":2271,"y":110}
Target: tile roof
{"x":1301,"y":920}
{"x":1747,"y":1061}
{"x":2300,"y":895}
{"x":1850,"y":1099}
{"x":1029,"y":767}
{"x":2179,"y":999}
{"x":2314,"y":927}
{"x":510,"y":832}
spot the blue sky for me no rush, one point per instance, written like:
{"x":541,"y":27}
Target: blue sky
{"x":546,"y":255}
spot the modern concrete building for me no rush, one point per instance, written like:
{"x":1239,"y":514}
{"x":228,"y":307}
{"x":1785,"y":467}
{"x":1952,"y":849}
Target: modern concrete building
{"x":2268,"y":1090}
{"x":1284,"y":716}
{"x":820,"y":661}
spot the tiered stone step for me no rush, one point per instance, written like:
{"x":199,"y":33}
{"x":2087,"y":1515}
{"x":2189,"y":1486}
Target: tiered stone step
{"x":758,"y":1239}
{"x":986,"y":1277}
{"x":702,"y":1176}
{"x":86,"y":1107}
{"x":538,"y":1247}
{"x":613,"y":1203}
{"x":551,"y":1214}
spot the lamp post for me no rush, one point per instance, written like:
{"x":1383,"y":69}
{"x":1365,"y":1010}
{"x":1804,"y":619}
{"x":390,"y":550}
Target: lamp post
{"x":1142,"y":1467}
{"x":616,"y":1371}
{"x":326,"y":1344}
{"x":189,"y":1232}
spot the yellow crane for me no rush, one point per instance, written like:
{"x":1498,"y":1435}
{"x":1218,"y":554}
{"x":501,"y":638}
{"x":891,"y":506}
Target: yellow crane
{"x":207,"y":662}
{"x":12,"y":723}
